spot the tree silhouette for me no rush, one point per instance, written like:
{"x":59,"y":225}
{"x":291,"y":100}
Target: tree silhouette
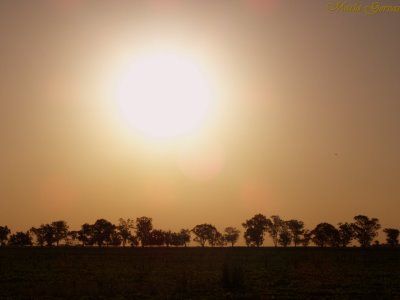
{"x":48,"y":234}
{"x":102,"y":232}
{"x":285,"y":236}
{"x":157,"y":238}
{"x":179,"y":238}
{"x":175,"y":239}
{"x":72,"y":237}
{"x":39,"y":235}
{"x":365,"y":229}
{"x":296,"y":229}
{"x":274,"y":228}
{"x":283,"y":233}
{"x":346,"y":234}
{"x":60,"y":231}
{"x":20,"y":239}
{"x":184,"y":237}
{"x":255,"y":229}
{"x":4,"y":233}
{"x":115,"y":239}
{"x":325,"y":234}
{"x":133,"y":241}
{"x":125,"y":228}
{"x":305,"y":240}
{"x":392,"y":236}
{"x":231,"y":235}
{"x":168,"y":236}
{"x":144,"y":227}
{"x":204,"y":233}
{"x":85,"y":235}
{"x":216,"y":238}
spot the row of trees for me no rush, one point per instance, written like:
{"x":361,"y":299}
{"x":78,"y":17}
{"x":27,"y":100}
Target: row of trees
{"x":285,"y":233}
{"x":141,"y":232}
{"x":101,"y":233}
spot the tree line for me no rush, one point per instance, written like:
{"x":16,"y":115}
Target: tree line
{"x":140,"y":232}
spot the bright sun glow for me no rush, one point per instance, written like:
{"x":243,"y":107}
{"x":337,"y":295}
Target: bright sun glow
{"x":164,"y":95}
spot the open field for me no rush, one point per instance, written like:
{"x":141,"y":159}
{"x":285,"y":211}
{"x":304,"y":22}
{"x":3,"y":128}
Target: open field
{"x":199,"y":273}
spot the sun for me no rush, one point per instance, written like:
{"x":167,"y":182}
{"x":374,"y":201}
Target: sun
{"x":164,"y":95}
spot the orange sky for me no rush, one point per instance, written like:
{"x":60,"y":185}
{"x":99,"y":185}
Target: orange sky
{"x":308,"y":127}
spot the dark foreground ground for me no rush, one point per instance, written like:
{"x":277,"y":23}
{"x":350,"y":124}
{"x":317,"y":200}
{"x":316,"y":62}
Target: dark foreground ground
{"x":195,"y":273}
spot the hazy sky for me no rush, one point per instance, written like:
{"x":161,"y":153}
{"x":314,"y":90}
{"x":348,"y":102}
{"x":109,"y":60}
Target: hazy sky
{"x":307,"y":127}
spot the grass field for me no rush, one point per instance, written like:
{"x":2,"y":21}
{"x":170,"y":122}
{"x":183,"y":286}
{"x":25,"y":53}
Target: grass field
{"x":195,"y":273}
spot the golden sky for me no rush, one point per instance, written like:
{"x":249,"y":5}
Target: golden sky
{"x":306,"y":122}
